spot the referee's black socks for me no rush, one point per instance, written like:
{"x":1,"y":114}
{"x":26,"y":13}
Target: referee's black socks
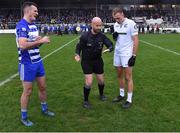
{"x":86,"y":92}
{"x":101,"y":89}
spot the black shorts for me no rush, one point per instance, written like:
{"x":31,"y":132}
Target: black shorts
{"x":93,"y":66}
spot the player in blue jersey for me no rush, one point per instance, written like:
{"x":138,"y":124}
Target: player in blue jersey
{"x":30,"y":63}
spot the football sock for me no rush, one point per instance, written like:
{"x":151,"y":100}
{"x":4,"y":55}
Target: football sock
{"x":86,"y":92}
{"x":44,"y":106}
{"x":23,"y":114}
{"x":121,"y":92}
{"x":129,"y":97}
{"x":101,"y":88}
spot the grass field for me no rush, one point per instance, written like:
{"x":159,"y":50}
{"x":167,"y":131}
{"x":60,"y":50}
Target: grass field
{"x":156,"y":104}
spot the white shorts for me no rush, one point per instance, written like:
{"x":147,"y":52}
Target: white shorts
{"x":121,"y":60}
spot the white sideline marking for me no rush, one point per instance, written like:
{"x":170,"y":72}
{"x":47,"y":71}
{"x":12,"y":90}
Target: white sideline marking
{"x":16,"y":74}
{"x":9,"y":79}
{"x":164,"y":49}
{"x":59,"y":48}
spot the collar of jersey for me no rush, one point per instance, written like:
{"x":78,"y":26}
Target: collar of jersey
{"x":27,"y":22}
{"x":123,"y":21}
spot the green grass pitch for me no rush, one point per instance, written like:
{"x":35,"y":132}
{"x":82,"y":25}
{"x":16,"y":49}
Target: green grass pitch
{"x":156,"y":101}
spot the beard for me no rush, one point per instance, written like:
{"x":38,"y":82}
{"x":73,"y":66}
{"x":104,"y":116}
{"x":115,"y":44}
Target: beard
{"x":97,"y":30}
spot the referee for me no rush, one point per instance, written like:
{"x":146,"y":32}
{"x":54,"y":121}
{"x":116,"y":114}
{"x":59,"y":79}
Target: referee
{"x":91,"y":45}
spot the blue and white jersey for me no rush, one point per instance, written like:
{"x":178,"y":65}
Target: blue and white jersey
{"x":29,"y":31}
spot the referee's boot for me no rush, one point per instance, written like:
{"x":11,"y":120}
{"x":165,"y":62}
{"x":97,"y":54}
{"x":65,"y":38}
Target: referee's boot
{"x":103,"y":97}
{"x":86,"y":105}
{"x":118,"y":99}
{"x":126,"y":105}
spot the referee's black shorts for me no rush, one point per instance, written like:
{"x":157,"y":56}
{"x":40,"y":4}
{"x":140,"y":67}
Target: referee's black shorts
{"x":92,"y":66}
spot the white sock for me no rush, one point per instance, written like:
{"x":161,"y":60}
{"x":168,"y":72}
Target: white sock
{"x":129,"y":97}
{"x":23,"y":110}
{"x":43,"y":103}
{"x":121,"y":92}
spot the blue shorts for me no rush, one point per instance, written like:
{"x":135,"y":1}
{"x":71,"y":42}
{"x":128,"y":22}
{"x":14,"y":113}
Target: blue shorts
{"x":29,"y":72}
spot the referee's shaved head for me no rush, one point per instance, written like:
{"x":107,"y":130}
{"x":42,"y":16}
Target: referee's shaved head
{"x":96,"y":24}
{"x":96,"y":20}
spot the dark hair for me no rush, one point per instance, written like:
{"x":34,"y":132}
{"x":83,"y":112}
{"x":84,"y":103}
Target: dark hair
{"x":118,"y":10}
{"x":28,"y":4}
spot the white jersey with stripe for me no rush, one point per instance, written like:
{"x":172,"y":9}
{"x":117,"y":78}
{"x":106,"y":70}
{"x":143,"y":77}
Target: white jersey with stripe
{"x":29,"y":31}
{"x":124,"y":44}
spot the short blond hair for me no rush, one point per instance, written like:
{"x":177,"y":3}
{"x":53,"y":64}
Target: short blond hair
{"x":117,"y":10}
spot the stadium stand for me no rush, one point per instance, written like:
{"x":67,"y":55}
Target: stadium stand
{"x":152,"y":15}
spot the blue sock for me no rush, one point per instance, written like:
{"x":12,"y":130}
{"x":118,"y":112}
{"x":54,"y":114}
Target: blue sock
{"x":23,"y":114}
{"x":44,"y":106}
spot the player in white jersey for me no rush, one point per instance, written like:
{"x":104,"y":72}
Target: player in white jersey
{"x":126,"y":37}
{"x":30,"y":63}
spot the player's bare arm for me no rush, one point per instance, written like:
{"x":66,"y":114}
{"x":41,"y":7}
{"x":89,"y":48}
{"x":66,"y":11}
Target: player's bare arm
{"x":24,"y":44}
{"x":136,"y":43}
